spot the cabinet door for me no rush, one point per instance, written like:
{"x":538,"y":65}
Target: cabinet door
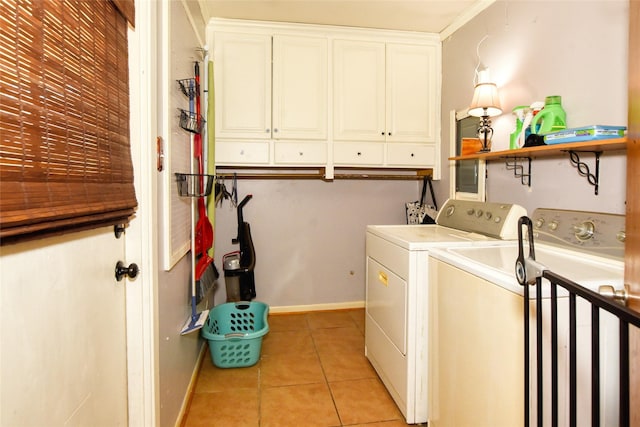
{"x":300,"y":88}
{"x":243,"y":85}
{"x":358,"y":91}
{"x":411,"y":93}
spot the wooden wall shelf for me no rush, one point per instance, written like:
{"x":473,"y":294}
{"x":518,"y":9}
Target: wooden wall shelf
{"x":550,"y":150}
{"x":514,"y":158}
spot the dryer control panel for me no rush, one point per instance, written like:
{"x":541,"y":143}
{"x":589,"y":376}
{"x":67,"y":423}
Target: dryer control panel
{"x":598,"y":233}
{"x":498,"y":220}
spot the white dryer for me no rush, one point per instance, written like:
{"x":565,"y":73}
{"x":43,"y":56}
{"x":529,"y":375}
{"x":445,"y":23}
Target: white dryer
{"x":397,"y":291}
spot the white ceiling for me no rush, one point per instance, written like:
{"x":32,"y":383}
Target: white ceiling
{"x":433,"y":16}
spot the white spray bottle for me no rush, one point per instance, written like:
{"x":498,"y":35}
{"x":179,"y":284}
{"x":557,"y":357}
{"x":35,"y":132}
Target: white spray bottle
{"x":526,"y":125}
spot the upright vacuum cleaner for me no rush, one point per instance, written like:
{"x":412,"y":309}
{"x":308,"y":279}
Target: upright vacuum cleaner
{"x":239,"y":265}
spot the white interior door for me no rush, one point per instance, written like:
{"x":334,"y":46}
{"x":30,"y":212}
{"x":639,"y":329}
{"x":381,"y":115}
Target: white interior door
{"x":78,"y":345}
{"x":63,"y":331}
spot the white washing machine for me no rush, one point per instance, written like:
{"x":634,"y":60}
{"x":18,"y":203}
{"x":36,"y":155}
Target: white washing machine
{"x":397,"y":291}
{"x":585,"y":247}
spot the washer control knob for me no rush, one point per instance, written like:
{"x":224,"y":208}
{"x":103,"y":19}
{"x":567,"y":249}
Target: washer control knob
{"x":584,"y":231}
{"x":471,"y":211}
{"x":539,"y":222}
{"x":497,"y":219}
{"x":488,"y":215}
{"x":553,"y":225}
{"x":621,"y":236}
{"x":479,"y":213}
{"x":450,"y":210}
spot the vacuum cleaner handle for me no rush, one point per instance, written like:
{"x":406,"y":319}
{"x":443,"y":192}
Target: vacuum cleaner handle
{"x":241,"y":205}
{"x":245,"y":201}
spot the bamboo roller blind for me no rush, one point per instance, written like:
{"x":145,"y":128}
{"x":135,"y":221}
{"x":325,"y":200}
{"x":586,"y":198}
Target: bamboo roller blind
{"x":65,"y":161}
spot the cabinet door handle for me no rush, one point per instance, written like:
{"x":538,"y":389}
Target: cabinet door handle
{"x":382,"y":278}
{"x":275,"y":130}
{"x":382,"y":133}
{"x":267,"y":130}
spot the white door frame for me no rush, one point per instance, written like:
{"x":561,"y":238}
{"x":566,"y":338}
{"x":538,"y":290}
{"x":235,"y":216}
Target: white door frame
{"x":141,"y":235}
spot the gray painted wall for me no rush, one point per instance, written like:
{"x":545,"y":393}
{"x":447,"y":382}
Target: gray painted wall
{"x":309,"y":235}
{"x":177,"y":354}
{"x":574,"y":49}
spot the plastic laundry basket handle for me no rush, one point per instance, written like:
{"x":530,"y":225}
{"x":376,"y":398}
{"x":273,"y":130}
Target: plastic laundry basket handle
{"x":243,"y":305}
{"x":235,"y":335}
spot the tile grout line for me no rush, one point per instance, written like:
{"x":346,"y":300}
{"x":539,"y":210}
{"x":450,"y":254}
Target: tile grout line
{"x":260,"y":392}
{"x":326,"y":380}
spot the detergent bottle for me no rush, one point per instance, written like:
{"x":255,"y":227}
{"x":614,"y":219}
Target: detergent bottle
{"x":552,"y":118}
{"x":529,"y":114}
{"x":519,"y":112}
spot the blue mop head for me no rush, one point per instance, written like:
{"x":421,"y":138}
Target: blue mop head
{"x":195,"y":323}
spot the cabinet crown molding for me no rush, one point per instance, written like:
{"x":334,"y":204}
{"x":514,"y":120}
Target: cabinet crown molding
{"x":329,"y":31}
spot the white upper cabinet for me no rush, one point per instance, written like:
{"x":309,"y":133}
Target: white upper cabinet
{"x":243,"y":85}
{"x":300,"y":87}
{"x":252,"y":103}
{"x":384,"y":91}
{"x":313,"y":95}
{"x":358,"y":91}
{"x":411,"y":93}
{"x":386,"y":104}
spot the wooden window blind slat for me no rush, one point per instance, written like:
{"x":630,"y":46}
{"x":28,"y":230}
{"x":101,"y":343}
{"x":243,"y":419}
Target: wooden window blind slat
{"x":127,"y":8}
{"x":65,"y":161}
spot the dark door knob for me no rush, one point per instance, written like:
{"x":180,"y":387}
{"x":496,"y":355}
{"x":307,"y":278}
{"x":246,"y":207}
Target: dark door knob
{"x":121,"y":270}
{"x":118,"y":230}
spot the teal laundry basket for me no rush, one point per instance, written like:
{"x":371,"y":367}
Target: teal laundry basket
{"x":234,"y":331}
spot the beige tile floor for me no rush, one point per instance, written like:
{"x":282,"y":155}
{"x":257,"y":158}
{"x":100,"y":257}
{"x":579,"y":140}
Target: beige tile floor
{"x":312,"y":372}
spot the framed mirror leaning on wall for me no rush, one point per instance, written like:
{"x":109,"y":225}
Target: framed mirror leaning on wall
{"x":467,"y":177}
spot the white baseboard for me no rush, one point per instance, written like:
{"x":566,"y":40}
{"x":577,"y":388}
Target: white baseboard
{"x":192,"y":385}
{"x":317,"y":307}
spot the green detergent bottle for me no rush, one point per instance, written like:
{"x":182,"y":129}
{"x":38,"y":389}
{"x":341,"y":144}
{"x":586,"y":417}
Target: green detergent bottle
{"x":552,"y":118}
{"x":518,"y":133}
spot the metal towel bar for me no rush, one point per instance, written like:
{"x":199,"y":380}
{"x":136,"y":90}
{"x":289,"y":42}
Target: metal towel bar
{"x":321,"y":174}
